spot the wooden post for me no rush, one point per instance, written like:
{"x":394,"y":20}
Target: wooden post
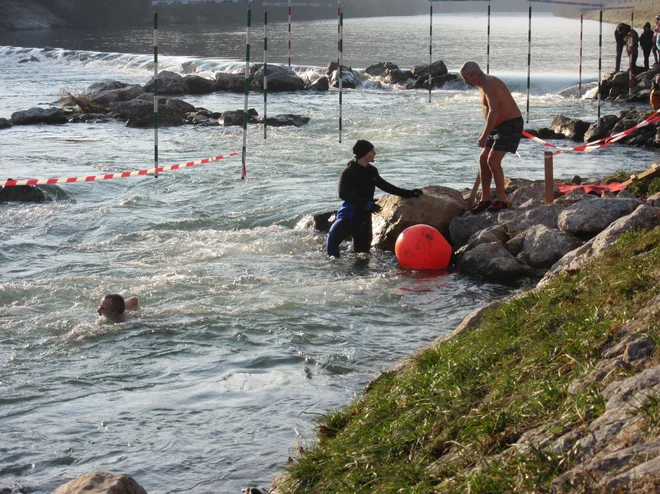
{"x":549,"y":178}
{"x":475,"y":190}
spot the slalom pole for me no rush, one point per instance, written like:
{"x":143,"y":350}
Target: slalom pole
{"x":630,"y":56}
{"x":265,"y":70}
{"x":289,"y":33}
{"x":340,"y":60}
{"x":430,"y":47}
{"x":488,"y":42}
{"x":529,"y":57}
{"x":247,"y":91}
{"x":600,"y":60}
{"x":156,"y":90}
{"x":580,"y":72}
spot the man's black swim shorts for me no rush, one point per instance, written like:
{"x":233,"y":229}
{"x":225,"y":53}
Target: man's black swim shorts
{"x":506,"y":136}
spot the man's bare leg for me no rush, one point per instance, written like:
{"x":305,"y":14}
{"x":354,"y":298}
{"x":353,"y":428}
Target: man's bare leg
{"x":495,"y":167}
{"x":486,"y":175}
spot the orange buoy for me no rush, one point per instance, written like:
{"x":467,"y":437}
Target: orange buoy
{"x":422,"y":247}
{"x":655,"y":99}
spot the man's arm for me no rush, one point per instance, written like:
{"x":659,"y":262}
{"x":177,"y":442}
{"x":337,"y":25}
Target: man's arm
{"x":490,"y":96}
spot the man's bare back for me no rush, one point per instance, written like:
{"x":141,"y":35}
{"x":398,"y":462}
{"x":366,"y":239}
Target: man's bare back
{"x":496,"y":96}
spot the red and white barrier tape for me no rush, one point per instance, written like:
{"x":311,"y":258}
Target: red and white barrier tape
{"x":110,"y":176}
{"x":600,"y":143}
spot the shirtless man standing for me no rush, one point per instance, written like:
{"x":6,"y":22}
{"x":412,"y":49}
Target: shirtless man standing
{"x":501,"y":134}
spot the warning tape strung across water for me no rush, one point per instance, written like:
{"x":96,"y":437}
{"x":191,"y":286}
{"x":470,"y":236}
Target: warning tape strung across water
{"x":110,"y":176}
{"x":600,"y":143}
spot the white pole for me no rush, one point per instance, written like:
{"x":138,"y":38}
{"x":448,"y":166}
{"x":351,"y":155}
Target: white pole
{"x":340,"y":61}
{"x":265,"y":71}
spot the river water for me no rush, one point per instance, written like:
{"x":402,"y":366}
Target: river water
{"x":247,"y":332}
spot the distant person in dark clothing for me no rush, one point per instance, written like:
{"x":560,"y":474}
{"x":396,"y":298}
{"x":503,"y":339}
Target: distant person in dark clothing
{"x":646,"y":42}
{"x":620,"y":35}
{"x":357,"y":184}
{"x":632,"y":43}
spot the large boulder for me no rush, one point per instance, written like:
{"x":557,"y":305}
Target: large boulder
{"x":600,"y":128}
{"x":491,"y":261}
{"x":105,"y":86}
{"x":280,"y":78}
{"x":348,"y":78}
{"x":101,"y":483}
{"x":463,"y":227}
{"x":234,"y":83}
{"x":287,"y":120}
{"x":39,"y":116}
{"x":21,"y":193}
{"x":517,"y":221}
{"x":592,"y":217}
{"x":380,"y":69}
{"x":543,"y":246}
{"x":199,"y":85}
{"x":573,"y":128}
{"x":436,"y":69}
{"x":140,"y":114}
{"x":106,"y":97}
{"x":436,"y":207}
{"x":320,"y":84}
{"x":168,"y":83}
{"x":235,"y":117}
{"x":175,"y":104}
{"x":534,"y":192}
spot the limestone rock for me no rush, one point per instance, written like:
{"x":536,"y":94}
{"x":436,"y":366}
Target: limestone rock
{"x":234,"y":83}
{"x":436,"y":207}
{"x":139,"y":113}
{"x":101,"y":483}
{"x":105,"y":98}
{"x":168,"y":83}
{"x":572,"y":128}
{"x":516,"y":222}
{"x":492,"y":261}
{"x":22,"y":193}
{"x":280,"y":79}
{"x":654,"y":200}
{"x":321,"y":84}
{"x":594,"y":216}
{"x":575,"y":195}
{"x":4,"y":123}
{"x":235,"y":117}
{"x":463,"y":227}
{"x":199,"y":85}
{"x":287,"y":120}
{"x":348,"y":78}
{"x":544,"y":246}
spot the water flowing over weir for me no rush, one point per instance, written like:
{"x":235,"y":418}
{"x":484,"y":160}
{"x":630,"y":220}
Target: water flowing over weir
{"x":246,"y":332}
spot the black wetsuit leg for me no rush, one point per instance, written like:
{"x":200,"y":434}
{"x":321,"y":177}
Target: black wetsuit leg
{"x":362,"y":237}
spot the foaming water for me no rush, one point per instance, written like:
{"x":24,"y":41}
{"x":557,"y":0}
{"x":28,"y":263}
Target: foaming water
{"x":246,"y":331}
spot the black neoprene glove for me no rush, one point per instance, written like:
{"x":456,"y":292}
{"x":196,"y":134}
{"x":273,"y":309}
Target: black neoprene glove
{"x":373,"y":207}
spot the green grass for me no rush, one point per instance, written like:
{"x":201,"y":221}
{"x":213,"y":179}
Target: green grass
{"x":639,"y":188}
{"x":446,"y":423}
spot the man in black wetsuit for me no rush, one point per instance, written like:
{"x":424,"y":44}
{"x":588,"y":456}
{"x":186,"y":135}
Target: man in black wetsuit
{"x":357,"y":184}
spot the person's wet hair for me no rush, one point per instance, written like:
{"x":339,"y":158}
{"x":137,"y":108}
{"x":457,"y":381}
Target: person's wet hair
{"x":116,"y":303}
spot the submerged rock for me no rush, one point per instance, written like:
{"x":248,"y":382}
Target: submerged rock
{"x":39,"y":116}
{"x":101,"y":483}
{"x":22,"y":193}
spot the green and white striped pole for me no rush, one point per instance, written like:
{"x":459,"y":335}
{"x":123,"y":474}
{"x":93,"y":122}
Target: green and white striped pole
{"x":265,"y":70}
{"x":529,"y":57}
{"x":247,"y":91}
{"x":155,"y":90}
{"x":289,"y":33}
{"x":430,"y":46}
{"x":340,"y":61}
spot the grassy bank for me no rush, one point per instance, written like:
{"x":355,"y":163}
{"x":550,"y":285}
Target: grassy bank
{"x":447,"y":422}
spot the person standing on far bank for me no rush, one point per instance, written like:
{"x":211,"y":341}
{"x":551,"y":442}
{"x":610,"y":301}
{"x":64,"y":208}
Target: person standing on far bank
{"x":646,"y":42}
{"x":501,"y":134}
{"x":357,"y":184}
{"x":620,"y":35}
